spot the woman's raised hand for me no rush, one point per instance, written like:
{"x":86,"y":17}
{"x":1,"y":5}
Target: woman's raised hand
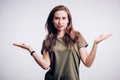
{"x":102,"y":37}
{"x":24,"y":46}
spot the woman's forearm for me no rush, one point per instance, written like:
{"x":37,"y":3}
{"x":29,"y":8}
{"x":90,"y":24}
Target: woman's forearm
{"x":91,"y":56}
{"x":44,"y":62}
{"x":41,"y":61}
{"x":89,"y":60}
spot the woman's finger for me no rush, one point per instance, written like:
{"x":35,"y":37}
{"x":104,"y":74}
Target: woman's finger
{"x":107,"y":36}
{"x":15,"y":44}
{"x":19,"y":45}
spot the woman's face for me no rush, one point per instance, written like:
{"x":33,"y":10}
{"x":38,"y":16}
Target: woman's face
{"x":60,"y":20}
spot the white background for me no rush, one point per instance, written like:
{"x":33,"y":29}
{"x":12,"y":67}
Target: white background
{"x":22,"y":21}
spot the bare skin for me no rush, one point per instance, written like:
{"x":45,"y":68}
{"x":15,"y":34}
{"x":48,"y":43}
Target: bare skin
{"x":86,"y":58}
{"x":60,"y":22}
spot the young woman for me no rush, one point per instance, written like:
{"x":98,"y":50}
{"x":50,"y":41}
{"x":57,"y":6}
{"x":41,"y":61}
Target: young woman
{"x":63,"y":47}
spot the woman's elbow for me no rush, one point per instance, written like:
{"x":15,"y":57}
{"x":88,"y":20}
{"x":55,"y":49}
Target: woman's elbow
{"x":45,"y":67}
{"x":88,"y":65}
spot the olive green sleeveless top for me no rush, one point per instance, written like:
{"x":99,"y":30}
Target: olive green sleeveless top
{"x":64,"y":62}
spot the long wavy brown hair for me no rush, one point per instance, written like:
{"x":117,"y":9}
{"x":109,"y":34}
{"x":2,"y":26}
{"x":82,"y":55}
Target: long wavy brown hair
{"x":71,"y":36}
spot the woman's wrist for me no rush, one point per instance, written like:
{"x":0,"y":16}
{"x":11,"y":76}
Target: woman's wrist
{"x":32,"y":52}
{"x":96,"y":42}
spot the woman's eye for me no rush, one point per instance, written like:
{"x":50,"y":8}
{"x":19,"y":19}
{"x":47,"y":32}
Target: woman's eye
{"x":64,"y":18}
{"x":56,"y":18}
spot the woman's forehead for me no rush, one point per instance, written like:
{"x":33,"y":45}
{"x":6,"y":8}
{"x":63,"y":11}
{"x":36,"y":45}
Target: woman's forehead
{"x":60,"y":13}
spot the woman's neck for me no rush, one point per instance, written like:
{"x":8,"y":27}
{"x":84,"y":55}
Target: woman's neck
{"x":60,"y":34}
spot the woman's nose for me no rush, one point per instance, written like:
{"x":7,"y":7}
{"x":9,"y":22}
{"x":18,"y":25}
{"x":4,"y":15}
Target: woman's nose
{"x":60,"y":21}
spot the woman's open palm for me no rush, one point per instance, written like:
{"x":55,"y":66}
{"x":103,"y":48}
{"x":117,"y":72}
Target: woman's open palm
{"x":102,"y":37}
{"x":24,"y":46}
